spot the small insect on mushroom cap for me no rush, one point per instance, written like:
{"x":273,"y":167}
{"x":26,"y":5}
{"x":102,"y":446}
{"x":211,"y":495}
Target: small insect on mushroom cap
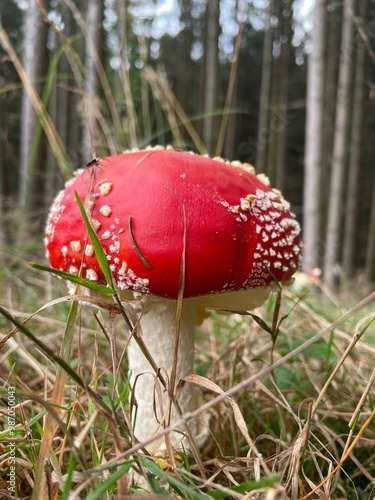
{"x":153,"y":209}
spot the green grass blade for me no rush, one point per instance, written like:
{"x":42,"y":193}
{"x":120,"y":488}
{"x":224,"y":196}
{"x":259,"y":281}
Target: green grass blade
{"x":64,"y":353}
{"x":63,"y":360}
{"x":178,"y":485}
{"x":99,"y":252}
{"x":96,"y":287}
{"x":260,"y":322}
{"x":35,"y":418}
{"x":110,"y":481}
{"x":157,"y":488}
{"x":247,"y":486}
{"x":47,"y":351}
{"x":68,"y":480}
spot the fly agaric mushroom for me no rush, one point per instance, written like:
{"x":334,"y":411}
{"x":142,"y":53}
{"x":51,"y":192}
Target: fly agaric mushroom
{"x":155,"y":211}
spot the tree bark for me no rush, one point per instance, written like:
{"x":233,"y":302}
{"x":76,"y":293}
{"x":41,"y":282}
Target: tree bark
{"x":370,"y":249}
{"x":58,"y":108}
{"x":35,"y":60}
{"x":357,"y":124}
{"x":313,"y":140}
{"x":230,"y":151}
{"x":334,"y":222}
{"x":265,"y":98}
{"x":94,"y":41}
{"x":211,"y":73}
{"x":125,"y":76}
{"x":333,"y":40}
{"x":286,"y":15}
{"x":3,"y":141}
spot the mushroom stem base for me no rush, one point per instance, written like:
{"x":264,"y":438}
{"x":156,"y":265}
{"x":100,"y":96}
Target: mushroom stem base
{"x":158,"y":323}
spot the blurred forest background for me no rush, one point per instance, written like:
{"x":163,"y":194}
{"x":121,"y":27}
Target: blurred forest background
{"x":287,"y":85}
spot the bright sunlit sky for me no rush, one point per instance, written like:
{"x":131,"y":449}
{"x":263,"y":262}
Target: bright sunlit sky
{"x":166,"y":14}
{"x":167,"y":11}
{"x":166,"y":20}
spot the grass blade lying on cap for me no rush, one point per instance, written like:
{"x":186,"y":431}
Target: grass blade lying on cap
{"x":96,"y":287}
{"x":98,"y":249}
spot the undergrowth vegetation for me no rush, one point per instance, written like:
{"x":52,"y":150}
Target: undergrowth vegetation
{"x":306,"y":397}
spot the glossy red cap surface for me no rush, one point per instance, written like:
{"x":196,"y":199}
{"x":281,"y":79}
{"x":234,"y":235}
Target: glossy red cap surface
{"x":239,"y":232}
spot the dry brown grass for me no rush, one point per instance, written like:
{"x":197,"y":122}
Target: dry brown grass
{"x":309,"y":416}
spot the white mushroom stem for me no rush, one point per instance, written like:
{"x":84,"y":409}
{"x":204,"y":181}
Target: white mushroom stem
{"x":158,"y":319}
{"x":158,"y":324}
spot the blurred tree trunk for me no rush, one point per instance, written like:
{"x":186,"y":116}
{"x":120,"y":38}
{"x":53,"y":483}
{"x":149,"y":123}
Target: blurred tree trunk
{"x":63,"y":96}
{"x":230,"y":151}
{"x":74,"y":132}
{"x":271,"y":136}
{"x":273,"y":119}
{"x":186,"y":93}
{"x":313,"y":139}
{"x":231,"y":83}
{"x":357,"y":125}
{"x":370,"y":249}
{"x":265,"y":97}
{"x":72,"y":75}
{"x":131,"y":127}
{"x":335,"y":200}
{"x":281,"y":119}
{"x":211,"y":73}
{"x":3,"y":155}
{"x":55,"y":109}
{"x":334,"y":29}
{"x":35,"y":60}
{"x":58,"y":108}
{"x":94,"y":46}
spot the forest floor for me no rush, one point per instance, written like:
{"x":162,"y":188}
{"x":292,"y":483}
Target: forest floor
{"x":306,"y":396}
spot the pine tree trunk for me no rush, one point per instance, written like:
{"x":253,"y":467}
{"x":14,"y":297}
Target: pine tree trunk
{"x":230,"y":151}
{"x":3,"y":140}
{"x":92,"y":83}
{"x":370,"y":249}
{"x":313,"y":144}
{"x":211,"y":73}
{"x":281,"y":120}
{"x":264,"y":99}
{"x":58,"y":110}
{"x":35,"y":59}
{"x":357,"y":123}
{"x":272,"y":130}
{"x":334,"y":29}
{"x":131,"y":128}
{"x":334,"y":222}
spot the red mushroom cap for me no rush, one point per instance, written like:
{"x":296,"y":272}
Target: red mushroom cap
{"x":239,"y":232}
